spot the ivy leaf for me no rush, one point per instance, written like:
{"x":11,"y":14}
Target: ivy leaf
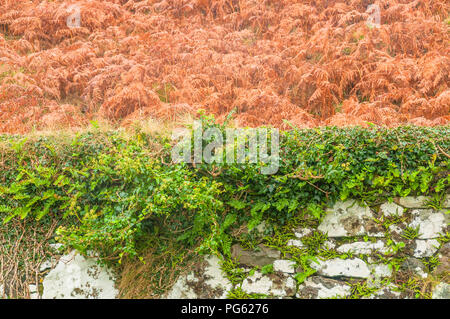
{"x":237,"y":204}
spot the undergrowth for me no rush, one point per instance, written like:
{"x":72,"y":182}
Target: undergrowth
{"x":122,"y":194}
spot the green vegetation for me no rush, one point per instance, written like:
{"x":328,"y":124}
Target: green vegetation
{"x":121,"y":191}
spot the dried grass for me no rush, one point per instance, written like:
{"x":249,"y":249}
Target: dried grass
{"x":312,"y":63}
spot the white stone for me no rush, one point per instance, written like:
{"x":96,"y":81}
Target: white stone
{"x":261,"y":228}
{"x":257,"y":284}
{"x":324,"y":288}
{"x":76,"y":277}
{"x":413,"y":202}
{"x":215,"y":276}
{"x":387,"y":292}
{"x":380,"y":270}
{"x":362,"y":247}
{"x":447,"y":201}
{"x":431,"y":224}
{"x":425,"y":248}
{"x":441,"y":291}
{"x":347,"y":219}
{"x":296,"y":243}
{"x":391,"y":209}
{"x":329,"y":244}
{"x":286,"y":266}
{"x":299,"y":233}
{"x":47,"y":264}
{"x":34,"y":294}
{"x":337,"y":267}
{"x":182,"y":290}
{"x":213,"y":281}
{"x":260,"y":284}
{"x":394,"y":229}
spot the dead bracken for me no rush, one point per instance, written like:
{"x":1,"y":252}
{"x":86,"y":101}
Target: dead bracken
{"x":311,"y":62}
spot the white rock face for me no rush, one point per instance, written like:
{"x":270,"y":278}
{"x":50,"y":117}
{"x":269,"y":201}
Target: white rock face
{"x":286,"y":266}
{"x":34,"y":294}
{"x":261,"y":228}
{"x":387,"y":292}
{"x":322,"y":288}
{"x":441,"y":291}
{"x":329,"y":244}
{"x":425,"y":248}
{"x":431,"y":224}
{"x":296,"y":243}
{"x":362,"y":247}
{"x":211,"y":282}
{"x":349,"y":219}
{"x":76,"y":277}
{"x":182,"y":290}
{"x":394,"y":229}
{"x":337,"y":267}
{"x":302,"y":232}
{"x":380,"y":270}
{"x":273,"y":285}
{"x":413,"y":202}
{"x":447,"y":201}
{"x":391,"y":209}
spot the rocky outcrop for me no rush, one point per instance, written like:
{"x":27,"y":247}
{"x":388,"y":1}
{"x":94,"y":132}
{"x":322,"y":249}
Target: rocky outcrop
{"x":346,"y":219}
{"x":207,"y":282}
{"x":358,"y":251}
{"x":317,"y":287}
{"x":260,"y":256}
{"x":272,"y":285}
{"x":77,"y":277}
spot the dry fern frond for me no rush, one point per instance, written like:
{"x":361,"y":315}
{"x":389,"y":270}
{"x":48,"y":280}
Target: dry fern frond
{"x":310,"y":62}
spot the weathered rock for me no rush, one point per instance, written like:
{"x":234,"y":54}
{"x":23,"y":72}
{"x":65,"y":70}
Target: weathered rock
{"x":350,"y":219}
{"x":413,"y":265}
{"x":34,"y":294}
{"x":380,"y":270}
{"x":431,"y":224}
{"x":425,"y":248}
{"x":444,"y":261}
{"x":396,"y":232}
{"x":441,"y":291}
{"x":48,"y":264}
{"x":285,"y":266}
{"x":412,"y":202}
{"x":260,"y":257}
{"x":302,"y":232}
{"x":261,"y":228}
{"x":337,"y":267}
{"x":447,"y":201}
{"x":391,"y":209}
{"x":329,"y":244}
{"x":274,"y":285}
{"x":77,"y":277}
{"x":363,"y":247}
{"x":296,"y":243}
{"x":387,"y":292}
{"x":316,"y":287}
{"x":207,"y":282}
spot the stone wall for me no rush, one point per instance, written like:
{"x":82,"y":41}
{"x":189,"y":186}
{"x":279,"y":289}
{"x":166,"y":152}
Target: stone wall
{"x":393,"y":250}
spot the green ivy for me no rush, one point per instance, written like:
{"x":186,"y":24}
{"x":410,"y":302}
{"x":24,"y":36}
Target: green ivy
{"x":121,"y":188}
